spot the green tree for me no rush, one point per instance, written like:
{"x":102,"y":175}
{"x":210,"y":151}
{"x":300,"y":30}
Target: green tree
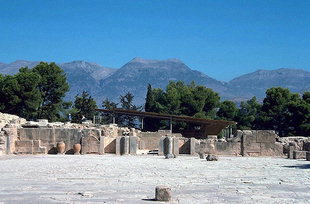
{"x":126,"y":102}
{"x":227,"y":111}
{"x":299,"y":116}
{"x":53,"y":87}
{"x":85,"y":106}
{"x":19,"y":94}
{"x":247,"y":114}
{"x":274,"y":112}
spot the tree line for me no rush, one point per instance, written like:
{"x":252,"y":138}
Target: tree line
{"x":287,"y":113}
{"x":39,"y":93}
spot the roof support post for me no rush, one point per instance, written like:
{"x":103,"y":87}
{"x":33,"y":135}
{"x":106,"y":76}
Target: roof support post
{"x":170,"y":125}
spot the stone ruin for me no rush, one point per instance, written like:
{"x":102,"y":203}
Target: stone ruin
{"x":18,"y":136}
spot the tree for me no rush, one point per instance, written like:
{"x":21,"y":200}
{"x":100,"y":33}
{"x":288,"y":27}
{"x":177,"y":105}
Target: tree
{"x":126,"y":102}
{"x":107,"y":104}
{"x":227,"y":111}
{"x":19,"y":94}
{"x":181,"y":99}
{"x":53,"y":87}
{"x":299,"y":116}
{"x":85,"y":106}
{"x":274,"y":112}
{"x":149,"y":100}
{"x":247,"y":114}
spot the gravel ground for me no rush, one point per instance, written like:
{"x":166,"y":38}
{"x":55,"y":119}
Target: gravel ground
{"x":132,"y":179}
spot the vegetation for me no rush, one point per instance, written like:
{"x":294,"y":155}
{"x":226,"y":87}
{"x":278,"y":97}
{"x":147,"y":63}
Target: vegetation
{"x":281,"y":110}
{"x":84,"y":105}
{"x":126,"y":103}
{"x":39,"y":93}
{"x":34,"y":93}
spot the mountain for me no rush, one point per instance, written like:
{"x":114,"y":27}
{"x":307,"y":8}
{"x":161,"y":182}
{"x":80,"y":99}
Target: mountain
{"x":81,"y":75}
{"x":103,"y":82}
{"x":84,"y":76}
{"x":138,"y":73}
{"x":256,"y":83}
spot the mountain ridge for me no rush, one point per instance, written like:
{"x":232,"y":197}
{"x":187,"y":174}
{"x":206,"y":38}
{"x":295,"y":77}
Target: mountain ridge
{"x":134,"y":76}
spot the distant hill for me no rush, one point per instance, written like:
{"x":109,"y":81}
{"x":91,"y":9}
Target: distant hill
{"x":256,"y":83}
{"x":103,"y":82}
{"x":138,"y":73}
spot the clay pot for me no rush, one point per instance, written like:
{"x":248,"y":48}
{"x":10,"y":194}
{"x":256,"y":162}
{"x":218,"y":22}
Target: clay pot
{"x":77,"y":149}
{"x":61,"y":146}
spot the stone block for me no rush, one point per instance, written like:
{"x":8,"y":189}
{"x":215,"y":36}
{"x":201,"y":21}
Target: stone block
{"x":192,"y":146}
{"x":299,"y":154}
{"x":176,"y":146}
{"x":124,"y":145}
{"x":101,"y":145}
{"x":118,"y":145}
{"x":271,"y":149}
{"x":253,"y":147}
{"x":265,"y":136}
{"x":161,"y":146}
{"x":290,"y":153}
{"x":109,"y":145}
{"x":308,"y":156}
{"x":141,"y":144}
{"x":162,"y":193}
{"x":133,"y":145}
{"x":24,"y":147}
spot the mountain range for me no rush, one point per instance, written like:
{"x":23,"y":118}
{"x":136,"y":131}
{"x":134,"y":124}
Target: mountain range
{"x":104,"y":82}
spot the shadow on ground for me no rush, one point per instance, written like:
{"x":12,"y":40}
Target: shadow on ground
{"x":300,"y":166}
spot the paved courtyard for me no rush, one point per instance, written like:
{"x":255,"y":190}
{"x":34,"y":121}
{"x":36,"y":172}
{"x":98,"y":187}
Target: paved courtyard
{"x":132,"y":179}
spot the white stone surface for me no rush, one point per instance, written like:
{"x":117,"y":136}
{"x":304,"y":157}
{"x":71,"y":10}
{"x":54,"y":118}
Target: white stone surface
{"x":132,"y":179}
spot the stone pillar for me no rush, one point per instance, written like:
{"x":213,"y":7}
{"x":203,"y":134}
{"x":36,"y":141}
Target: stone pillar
{"x":133,"y":145}
{"x":176,"y":146}
{"x":192,"y":146}
{"x":168,"y":147}
{"x":101,"y":148}
{"x":290,"y":152}
{"x":161,"y":146}
{"x":124,"y":145}
{"x":118,"y":145}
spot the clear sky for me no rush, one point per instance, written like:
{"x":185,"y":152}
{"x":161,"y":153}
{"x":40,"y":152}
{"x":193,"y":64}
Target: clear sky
{"x":222,"y":39}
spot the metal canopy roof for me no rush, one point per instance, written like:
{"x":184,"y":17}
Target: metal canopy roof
{"x":209,"y":127}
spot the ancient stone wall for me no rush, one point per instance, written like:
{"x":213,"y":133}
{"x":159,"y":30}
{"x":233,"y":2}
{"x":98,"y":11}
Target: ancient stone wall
{"x":260,"y":143}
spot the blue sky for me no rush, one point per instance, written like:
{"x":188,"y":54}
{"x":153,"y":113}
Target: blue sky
{"x":222,"y":39}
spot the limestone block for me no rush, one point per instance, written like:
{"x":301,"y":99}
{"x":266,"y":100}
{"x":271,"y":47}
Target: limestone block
{"x":118,"y":145}
{"x":306,"y":146}
{"x":299,"y":154}
{"x":101,"y":145}
{"x":162,"y":193}
{"x":133,"y":145}
{"x":308,"y":156}
{"x":253,"y":147}
{"x":192,"y":146}
{"x":24,"y":147}
{"x":161,"y":146}
{"x":109,"y":145}
{"x":290,"y":153}
{"x":124,"y":145}
{"x":141,"y":144}
{"x":265,"y":136}
{"x":271,"y":149}
{"x":175,"y":146}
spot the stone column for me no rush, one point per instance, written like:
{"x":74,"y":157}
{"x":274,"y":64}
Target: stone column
{"x":192,"y":146}
{"x":133,"y":145}
{"x":101,"y":147}
{"x":118,"y":145}
{"x":161,"y":146}
{"x":168,"y":147}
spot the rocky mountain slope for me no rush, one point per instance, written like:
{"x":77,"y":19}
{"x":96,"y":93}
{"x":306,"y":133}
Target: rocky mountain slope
{"x":102,"y":82}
